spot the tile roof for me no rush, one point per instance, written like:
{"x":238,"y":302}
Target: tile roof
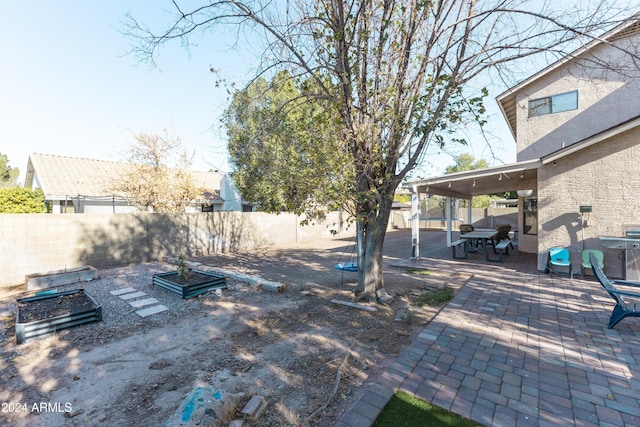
{"x":210,"y":181}
{"x":63,"y":176}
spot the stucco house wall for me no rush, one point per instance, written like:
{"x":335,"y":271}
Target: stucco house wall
{"x":605,"y":98}
{"x":230,"y":195}
{"x":603,"y":176}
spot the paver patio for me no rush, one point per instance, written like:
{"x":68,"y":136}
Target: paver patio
{"x":517,"y":347}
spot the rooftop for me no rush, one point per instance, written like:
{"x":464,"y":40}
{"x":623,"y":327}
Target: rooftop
{"x":63,"y":176}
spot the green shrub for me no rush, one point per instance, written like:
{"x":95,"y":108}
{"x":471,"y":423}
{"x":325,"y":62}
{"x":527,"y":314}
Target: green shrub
{"x":21,"y":200}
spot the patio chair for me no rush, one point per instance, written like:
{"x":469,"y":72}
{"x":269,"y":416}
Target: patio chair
{"x":503,"y":234}
{"x":624,"y":306}
{"x":586,"y":260}
{"x":558,"y":258}
{"x":468,"y":228}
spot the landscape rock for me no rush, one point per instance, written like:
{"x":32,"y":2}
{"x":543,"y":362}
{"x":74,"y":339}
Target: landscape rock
{"x":254,"y":408}
{"x":205,"y":406}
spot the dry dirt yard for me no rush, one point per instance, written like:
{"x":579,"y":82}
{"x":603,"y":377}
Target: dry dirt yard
{"x":286,"y":347}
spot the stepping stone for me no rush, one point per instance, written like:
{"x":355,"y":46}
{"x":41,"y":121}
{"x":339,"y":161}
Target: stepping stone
{"x":122,"y":291}
{"x":142,"y":302}
{"x":133,"y":295}
{"x":151,"y":310}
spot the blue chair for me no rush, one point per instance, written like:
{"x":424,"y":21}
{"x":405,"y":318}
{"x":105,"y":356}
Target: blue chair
{"x":586,"y":259}
{"x":559,"y":258}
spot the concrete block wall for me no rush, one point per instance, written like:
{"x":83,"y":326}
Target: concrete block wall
{"x":480,"y":218}
{"x":492,"y":217}
{"x":32,"y":243}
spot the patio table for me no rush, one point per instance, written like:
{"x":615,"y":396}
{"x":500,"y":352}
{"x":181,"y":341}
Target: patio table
{"x":483,"y":238}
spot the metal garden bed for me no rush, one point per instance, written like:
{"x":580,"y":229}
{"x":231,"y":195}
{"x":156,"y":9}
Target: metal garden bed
{"x":44,"y":315}
{"x":195,"y":283}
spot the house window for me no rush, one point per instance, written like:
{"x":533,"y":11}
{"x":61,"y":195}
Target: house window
{"x":554,"y":104}
{"x":530,"y":220}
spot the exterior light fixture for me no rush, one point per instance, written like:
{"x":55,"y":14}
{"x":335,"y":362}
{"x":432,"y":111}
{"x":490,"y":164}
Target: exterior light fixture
{"x":500,"y":177}
{"x":524,"y":193}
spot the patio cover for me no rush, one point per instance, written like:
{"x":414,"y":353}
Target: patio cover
{"x":465,"y":185}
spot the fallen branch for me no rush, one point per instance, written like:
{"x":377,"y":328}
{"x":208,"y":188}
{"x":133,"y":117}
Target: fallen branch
{"x":333,"y":392}
{"x":354,"y":305}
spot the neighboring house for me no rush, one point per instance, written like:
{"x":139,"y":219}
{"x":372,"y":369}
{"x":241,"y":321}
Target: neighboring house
{"x":577,"y":130}
{"x":80,"y":185}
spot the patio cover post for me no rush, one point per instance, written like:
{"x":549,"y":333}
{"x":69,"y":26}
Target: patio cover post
{"x":447,"y":213}
{"x":469,"y":212}
{"x":415,"y":223}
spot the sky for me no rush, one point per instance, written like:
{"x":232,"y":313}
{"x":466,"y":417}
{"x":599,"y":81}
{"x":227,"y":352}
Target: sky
{"x":68,"y":87}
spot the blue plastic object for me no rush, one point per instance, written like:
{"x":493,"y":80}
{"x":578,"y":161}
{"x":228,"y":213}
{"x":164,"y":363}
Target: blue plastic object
{"x":347,"y":266}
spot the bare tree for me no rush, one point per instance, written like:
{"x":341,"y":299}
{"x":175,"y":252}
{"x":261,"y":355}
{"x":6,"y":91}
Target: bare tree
{"x":156,"y":174}
{"x":402,"y":69}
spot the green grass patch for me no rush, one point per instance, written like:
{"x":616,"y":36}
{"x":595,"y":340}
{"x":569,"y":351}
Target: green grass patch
{"x":404,"y":410}
{"x":436,"y":296}
{"x":419,"y":271}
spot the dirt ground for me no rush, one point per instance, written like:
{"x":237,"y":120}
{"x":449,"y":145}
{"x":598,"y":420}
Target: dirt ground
{"x":286,"y":347}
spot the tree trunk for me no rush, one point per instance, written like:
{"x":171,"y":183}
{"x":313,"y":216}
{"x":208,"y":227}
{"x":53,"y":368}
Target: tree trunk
{"x":370,"y":277}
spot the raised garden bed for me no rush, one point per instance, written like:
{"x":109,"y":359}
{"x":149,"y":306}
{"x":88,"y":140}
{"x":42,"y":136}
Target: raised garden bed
{"x":37,"y":281}
{"x":44,"y":315}
{"x":195,"y":283}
